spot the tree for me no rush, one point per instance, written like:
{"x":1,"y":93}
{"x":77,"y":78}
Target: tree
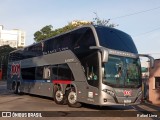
{"x":44,"y":33}
{"x":98,"y":21}
{"x":47,"y":31}
{"x":4,"y":54}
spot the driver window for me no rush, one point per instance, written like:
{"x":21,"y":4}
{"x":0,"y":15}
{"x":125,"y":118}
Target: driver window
{"x":92,"y":73}
{"x":90,"y":64}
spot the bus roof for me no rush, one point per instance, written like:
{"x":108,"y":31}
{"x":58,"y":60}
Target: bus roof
{"x":79,"y":27}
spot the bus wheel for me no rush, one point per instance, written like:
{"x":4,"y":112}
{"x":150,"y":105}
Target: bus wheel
{"x":59,"y":98}
{"x":72,"y":98}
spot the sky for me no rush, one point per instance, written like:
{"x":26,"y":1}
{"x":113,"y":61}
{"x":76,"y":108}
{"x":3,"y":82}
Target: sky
{"x":138,"y":18}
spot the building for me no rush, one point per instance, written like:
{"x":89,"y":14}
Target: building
{"x":15,"y":38}
{"x":154,"y":83}
{"x":80,"y":22}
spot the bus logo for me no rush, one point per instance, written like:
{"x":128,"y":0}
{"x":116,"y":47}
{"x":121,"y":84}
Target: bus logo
{"x":127,"y":93}
{"x":15,"y":70}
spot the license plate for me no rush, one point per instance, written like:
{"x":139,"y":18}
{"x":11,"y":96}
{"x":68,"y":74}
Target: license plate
{"x":127,"y":101}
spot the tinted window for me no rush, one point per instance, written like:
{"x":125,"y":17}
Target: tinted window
{"x":66,"y":41}
{"x":15,"y":56}
{"x":42,"y":72}
{"x":90,"y":64}
{"x":83,"y":38}
{"x":39,"y":73}
{"x":115,"y":39}
{"x":57,"y":44}
{"x":38,"y":49}
{"x":62,"y":72}
{"x":78,"y":40}
{"x":32,"y":51}
{"x":55,"y":72}
{"x":28,"y":73}
{"x":49,"y":46}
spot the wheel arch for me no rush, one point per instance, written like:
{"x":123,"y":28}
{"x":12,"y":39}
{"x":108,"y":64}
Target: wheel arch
{"x":70,"y":86}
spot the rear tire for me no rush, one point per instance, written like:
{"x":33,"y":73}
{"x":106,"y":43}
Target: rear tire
{"x":59,"y":97}
{"x":72,"y":98}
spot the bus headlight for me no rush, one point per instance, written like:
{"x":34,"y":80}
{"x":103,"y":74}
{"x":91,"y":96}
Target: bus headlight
{"x":109,"y":92}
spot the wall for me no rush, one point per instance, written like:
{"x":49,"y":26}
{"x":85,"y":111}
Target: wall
{"x":154,"y":88}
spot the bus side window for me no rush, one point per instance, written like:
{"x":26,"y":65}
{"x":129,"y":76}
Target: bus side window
{"x":46,"y":73}
{"x":39,"y":73}
{"x":84,"y":38}
{"x":55,"y":72}
{"x":64,"y":72}
{"x":28,"y":73}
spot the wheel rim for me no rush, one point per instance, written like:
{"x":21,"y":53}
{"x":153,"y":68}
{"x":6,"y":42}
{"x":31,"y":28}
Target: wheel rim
{"x":72,"y":97}
{"x":59,"y":96}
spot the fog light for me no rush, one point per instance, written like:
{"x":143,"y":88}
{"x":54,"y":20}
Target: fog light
{"x":105,"y":99}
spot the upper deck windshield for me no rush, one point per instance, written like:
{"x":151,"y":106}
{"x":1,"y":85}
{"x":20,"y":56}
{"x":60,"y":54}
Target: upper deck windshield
{"x":122,"y":72}
{"x":115,"y":39}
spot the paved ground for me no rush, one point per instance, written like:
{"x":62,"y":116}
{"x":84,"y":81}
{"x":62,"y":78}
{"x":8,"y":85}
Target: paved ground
{"x":46,"y":107}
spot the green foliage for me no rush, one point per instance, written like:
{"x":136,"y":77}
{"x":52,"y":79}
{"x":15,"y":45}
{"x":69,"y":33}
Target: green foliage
{"x":4,"y":54}
{"x":44,"y":33}
{"x":103,"y":22}
{"x":47,"y":31}
{"x":5,"y":50}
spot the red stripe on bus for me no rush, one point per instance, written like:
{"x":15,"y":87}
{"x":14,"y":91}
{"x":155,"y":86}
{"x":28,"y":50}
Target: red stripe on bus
{"x":62,"y":81}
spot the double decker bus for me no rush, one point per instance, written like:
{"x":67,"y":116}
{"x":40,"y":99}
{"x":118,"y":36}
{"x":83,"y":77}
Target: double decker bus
{"x":91,"y":64}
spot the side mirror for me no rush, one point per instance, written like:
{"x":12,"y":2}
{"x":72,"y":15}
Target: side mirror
{"x":104,"y":52}
{"x":150,"y":58}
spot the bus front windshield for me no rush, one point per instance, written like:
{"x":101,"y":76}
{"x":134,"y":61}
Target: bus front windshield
{"x":122,"y":72}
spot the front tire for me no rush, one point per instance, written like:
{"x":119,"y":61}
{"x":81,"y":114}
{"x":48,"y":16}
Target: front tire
{"x":72,"y":98}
